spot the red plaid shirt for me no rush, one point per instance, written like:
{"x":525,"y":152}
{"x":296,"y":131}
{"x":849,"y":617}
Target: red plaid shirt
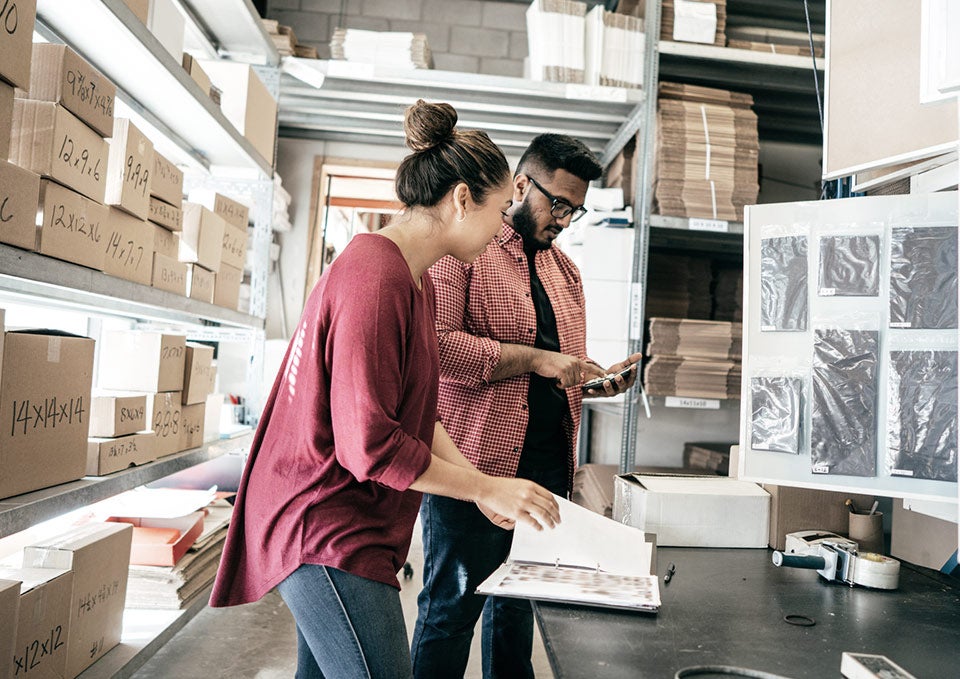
{"x":479,"y":306}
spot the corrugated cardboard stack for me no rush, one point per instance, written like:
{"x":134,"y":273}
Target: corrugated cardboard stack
{"x":703,"y":21}
{"x":696,"y":359}
{"x":614,"y":49}
{"x":396,"y":49}
{"x":555,"y":35}
{"x":707,"y":152}
{"x":212,"y":213}
{"x":775,"y":40}
{"x":679,"y":286}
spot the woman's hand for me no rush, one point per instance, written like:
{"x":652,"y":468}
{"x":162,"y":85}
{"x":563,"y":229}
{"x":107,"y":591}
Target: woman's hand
{"x":518,"y":500}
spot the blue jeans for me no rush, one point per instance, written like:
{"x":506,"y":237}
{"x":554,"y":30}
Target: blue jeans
{"x":348,"y":627}
{"x":461,"y":548}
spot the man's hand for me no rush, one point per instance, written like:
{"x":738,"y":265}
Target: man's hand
{"x":568,"y":371}
{"x":498,"y":520}
{"x":618,"y":384}
{"x":518,"y":500}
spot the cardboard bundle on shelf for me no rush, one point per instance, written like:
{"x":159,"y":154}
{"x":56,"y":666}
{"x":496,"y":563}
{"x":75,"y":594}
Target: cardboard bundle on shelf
{"x":397,"y":49}
{"x":711,"y":457}
{"x":177,"y":586}
{"x":775,"y":40}
{"x":695,"y":339}
{"x":555,"y":35}
{"x":692,"y":378}
{"x":707,"y":151}
{"x":614,"y":49}
{"x":774,"y":48}
{"x":678,"y":286}
{"x":283,"y":37}
{"x":703,"y":21}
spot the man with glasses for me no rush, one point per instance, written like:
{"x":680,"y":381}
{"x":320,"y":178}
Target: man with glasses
{"x":512,"y":330}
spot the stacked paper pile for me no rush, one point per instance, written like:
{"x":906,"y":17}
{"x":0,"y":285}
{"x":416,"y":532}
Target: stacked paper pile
{"x":555,"y":33}
{"x":774,"y":40}
{"x":707,"y":152}
{"x":397,"y":49}
{"x":614,"y":49}
{"x":283,"y":37}
{"x":679,"y":286}
{"x":728,"y":295}
{"x":694,"y":21}
{"x":710,"y":457}
{"x":697,"y":359}
{"x":176,"y":587}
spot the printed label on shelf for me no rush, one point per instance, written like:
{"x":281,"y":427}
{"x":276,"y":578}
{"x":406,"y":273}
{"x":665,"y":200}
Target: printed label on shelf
{"x":717,"y":225}
{"x":821,"y":469}
{"x":698,"y":403}
{"x":595,"y":93}
{"x":636,"y":319}
{"x":900,"y":324}
{"x":901,"y":472}
{"x":349,"y":69}
{"x":768,"y":328}
{"x":828,"y":292}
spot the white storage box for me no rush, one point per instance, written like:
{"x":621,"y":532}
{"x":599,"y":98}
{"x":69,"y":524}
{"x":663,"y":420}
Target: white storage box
{"x":694,"y":511}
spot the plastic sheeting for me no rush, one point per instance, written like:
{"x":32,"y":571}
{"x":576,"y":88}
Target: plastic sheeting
{"x":776,"y":410}
{"x":783,"y":283}
{"x":843,"y":427}
{"x":850,"y":266}
{"x":922,"y":415}
{"x":923,"y":277}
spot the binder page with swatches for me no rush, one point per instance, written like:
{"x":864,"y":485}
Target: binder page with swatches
{"x":587,"y":559}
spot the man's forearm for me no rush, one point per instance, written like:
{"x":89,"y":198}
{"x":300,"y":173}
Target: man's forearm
{"x":516,"y":359}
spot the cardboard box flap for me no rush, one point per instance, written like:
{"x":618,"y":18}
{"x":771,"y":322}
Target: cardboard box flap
{"x":45,"y":555}
{"x":47,"y":332}
{"x":697,"y":485}
{"x":31,"y":578}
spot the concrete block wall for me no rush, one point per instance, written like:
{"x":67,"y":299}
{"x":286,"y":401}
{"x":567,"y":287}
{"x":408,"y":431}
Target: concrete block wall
{"x":472,"y":36}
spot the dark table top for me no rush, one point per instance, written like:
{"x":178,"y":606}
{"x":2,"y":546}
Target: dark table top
{"x":726,"y":607}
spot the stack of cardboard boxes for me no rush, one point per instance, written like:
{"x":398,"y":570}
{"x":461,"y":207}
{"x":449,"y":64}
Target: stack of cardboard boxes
{"x":162,"y":376}
{"x":215,"y":240}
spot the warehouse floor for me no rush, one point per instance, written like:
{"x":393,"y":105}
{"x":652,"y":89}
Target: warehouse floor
{"x":258,"y":641}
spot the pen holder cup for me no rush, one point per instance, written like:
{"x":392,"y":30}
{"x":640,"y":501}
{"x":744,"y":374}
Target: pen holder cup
{"x":867,"y":531}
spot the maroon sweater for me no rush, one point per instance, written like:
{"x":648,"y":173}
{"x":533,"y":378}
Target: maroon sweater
{"x":347,"y":428}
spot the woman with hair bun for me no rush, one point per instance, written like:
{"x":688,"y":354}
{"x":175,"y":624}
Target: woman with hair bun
{"x":349,"y":437}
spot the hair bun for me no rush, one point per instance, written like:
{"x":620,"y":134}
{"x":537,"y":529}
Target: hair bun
{"x":429,"y":125}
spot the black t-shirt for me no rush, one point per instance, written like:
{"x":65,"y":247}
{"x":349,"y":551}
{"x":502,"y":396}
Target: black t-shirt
{"x":545,"y":445}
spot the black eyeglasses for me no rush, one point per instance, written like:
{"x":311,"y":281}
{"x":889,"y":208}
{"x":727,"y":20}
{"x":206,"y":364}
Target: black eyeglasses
{"x":560,"y":208}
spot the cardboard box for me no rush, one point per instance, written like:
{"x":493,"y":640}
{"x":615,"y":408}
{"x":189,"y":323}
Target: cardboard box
{"x":72,"y":227}
{"x":98,"y":555}
{"x":192,"y":426}
{"x":6,"y":118}
{"x":109,"y":455}
{"x":166,"y":416}
{"x":134,"y":360}
{"x":129,"y":251}
{"x":247,"y":103}
{"x":167,"y":25}
{"x":118,"y":415}
{"x":141,"y":8}
{"x":694,"y":511}
{"x":232,"y":212}
{"x":62,"y":76}
{"x":923,"y":540}
{"x":226,"y":292}
{"x":167,"y":216}
{"x":129,"y":169}
{"x":51,"y":141}
{"x":167,"y":181}
{"x":19,"y":197}
{"x":199,"y":373}
{"x":200,"y":283}
{"x":201,"y":241}
{"x":795,"y":509}
{"x":45,"y":401}
{"x":10,"y":605}
{"x":166,"y":243}
{"x":15,"y":41}
{"x":234,"y":251}
{"x":146,"y":551}
{"x":43,"y":622}
{"x":193,"y":69}
{"x":169,"y":274}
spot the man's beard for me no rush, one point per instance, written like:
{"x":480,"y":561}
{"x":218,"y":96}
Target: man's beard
{"x":526,"y":226}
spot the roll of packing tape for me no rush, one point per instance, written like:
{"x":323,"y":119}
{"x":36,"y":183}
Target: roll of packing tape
{"x":876,"y":571}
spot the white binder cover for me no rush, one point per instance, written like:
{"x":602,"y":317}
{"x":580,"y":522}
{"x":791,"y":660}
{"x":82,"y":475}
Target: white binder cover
{"x":587,"y":559}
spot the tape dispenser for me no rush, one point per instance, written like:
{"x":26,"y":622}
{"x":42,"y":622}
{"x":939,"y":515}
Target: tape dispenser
{"x":839,"y":562}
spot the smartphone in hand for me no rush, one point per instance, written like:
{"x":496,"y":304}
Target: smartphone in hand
{"x":597,"y":383}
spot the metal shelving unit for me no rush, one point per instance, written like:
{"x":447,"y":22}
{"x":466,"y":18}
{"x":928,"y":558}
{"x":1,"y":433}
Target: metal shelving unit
{"x":150,"y":82}
{"x":232,"y":29}
{"x":20,"y":512}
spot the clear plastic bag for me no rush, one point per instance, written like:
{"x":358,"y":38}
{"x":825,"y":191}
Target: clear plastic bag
{"x":844,"y":412}
{"x":923,"y":277}
{"x":783,"y":283}
{"x":850,"y":266}
{"x":922,"y":415}
{"x":776,"y":413}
